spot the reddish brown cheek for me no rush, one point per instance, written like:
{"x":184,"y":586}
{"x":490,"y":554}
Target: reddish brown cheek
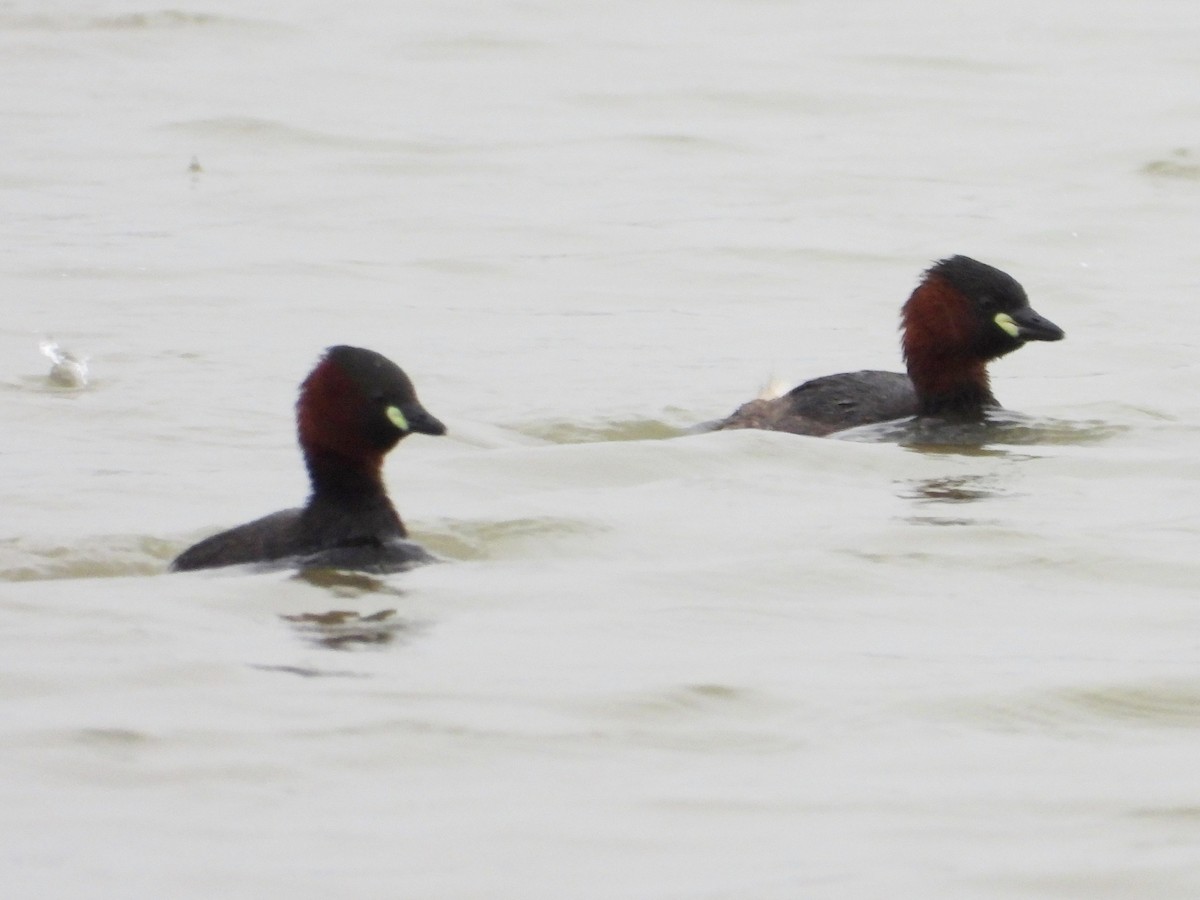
{"x":937,"y":322}
{"x":946,"y":312}
{"x":329,"y":410}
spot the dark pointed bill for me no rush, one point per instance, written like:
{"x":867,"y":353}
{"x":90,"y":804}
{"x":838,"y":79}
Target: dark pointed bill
{"x":1026,"y":325}
{"x":412,"y":417}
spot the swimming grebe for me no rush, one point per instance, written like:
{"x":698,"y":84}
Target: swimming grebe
{"x":962,"y":315}
{"x":354,"y":407}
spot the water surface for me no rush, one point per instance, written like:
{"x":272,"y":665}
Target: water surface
{"x":656,"y":662}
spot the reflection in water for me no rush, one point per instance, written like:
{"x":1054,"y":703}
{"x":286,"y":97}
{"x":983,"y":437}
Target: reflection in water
{"x":957,"y":489}
{"x":1001,"y":428}
{"x":343,"y":629}
{"x":954,"y":489}
{"x":347,"y":583}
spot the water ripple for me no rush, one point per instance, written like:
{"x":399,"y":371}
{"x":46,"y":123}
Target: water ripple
{"x":1170,"y":704}
{"x":139,"y":21}
{"x":25,"y":559}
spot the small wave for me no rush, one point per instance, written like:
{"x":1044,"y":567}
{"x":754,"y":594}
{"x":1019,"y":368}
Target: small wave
{"x":684,"y":701}
{"x":139,"y":21}
{"x":492,"y":539}
{"x":472,"y":46}
{"x":1180,"y":165}
{"x":636,"y":429}
{"x":268,"y":131}
{"x":24,"y":559}
{"x":1172,"y":704}
{"x":692,"y":716}
{"x":1159,"y":704}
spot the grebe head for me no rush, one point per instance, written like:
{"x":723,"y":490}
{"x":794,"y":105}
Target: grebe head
{"x":967,"y":310}
{"x":357,"y":404}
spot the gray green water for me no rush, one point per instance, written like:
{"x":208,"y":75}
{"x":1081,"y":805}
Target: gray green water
{"x":656,"y":663}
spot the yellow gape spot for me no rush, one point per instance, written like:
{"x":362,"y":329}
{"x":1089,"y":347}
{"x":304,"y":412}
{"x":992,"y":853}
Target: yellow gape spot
{"x":1007,"y":325}
{"x":397,"y":418}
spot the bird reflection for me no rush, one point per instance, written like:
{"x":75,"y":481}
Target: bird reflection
{"x":958,"y":489}
{"x":344,"y":629}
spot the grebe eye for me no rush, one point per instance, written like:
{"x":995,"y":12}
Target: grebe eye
{"x":1007,"y":325}
{"x":397,"y":418}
